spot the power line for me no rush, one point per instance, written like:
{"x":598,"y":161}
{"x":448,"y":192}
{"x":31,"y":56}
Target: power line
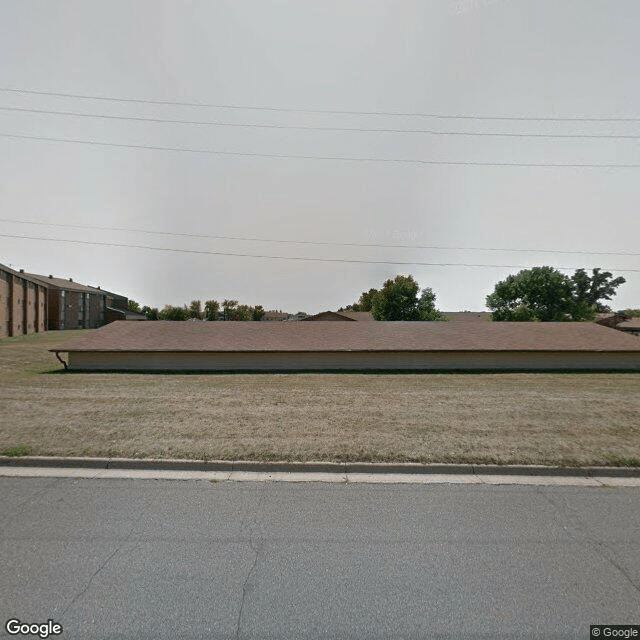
{"x":314,"y":242}
{"x":334,"y":158}
{"x":297,"y":258}
{"x":215,"y":123}
{"x":326,"y":111}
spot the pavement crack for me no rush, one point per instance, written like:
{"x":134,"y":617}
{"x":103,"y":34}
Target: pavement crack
{"x":598,"y":548}
{"x":256,"y":550}
{"x":589,"y":542}
{"x":101,"y":567}
{"x":18,"y":508}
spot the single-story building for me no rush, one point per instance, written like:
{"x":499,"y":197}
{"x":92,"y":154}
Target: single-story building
{"x":220,"y":346}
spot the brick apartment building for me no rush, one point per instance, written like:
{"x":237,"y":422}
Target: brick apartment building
{"x":23,"y":304}
{"x":30,"y":303}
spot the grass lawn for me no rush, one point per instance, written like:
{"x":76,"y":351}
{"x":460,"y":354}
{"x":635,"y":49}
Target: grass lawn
{"x":505,"y":418}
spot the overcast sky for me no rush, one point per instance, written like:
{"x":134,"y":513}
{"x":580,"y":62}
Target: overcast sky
{"x":302,"y":62}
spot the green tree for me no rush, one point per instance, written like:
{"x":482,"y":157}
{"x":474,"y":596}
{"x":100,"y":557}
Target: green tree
{"x":427,"y":306}
{"x":590,"y":290}
{"x":132,"y":305}
{"x":243,"y":312}
{"x":546,"y":295}
{"x":195,"y":309}
{"x":398,"y":300}
{"x":151,"y":313}
{"x":173,"y":313}
{"x":365,"y":303}
{"x":228,"y":308}
{"x":211,"y":309}
{"x":257,"y":312}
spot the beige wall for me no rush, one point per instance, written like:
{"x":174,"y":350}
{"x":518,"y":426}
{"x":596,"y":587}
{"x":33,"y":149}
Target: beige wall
{"x":344,"y":360}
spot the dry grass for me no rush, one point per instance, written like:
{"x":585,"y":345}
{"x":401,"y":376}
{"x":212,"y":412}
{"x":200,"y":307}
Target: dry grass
{"x":565,"y":419}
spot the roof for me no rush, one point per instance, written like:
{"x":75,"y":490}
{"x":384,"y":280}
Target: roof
{"x":632,"y":323}
{"x":467,"y":316}
{"x":351,"y":336}
{"x":360,"y":316}
{"x":21,"y":274}
{"x":348,"y":316}
{"x":61,"y":283}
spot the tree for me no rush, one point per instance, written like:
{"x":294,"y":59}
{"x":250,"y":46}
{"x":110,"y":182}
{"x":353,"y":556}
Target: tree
{"x":173,"y":313}
{"x":211,"y":309}
{"x":228,"y":307}
{"x":427,"y":306}
{"x":398,"y":300}
{"x":365,"y":303}
{"x":132,"y":305}
{"x":544,"y":294}
{"x":257,"y":312}
{"x":151,"y":313}
{"x":195,"y":309}
{"x":243,"y":312}
{"x":591,"y":290}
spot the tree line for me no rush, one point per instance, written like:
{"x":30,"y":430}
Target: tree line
{"x":541,"y":294}
{"x":212,"y":310}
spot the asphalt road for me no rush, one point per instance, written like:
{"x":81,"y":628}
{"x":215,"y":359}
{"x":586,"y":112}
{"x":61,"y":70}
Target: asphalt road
{"x":156,"y":559}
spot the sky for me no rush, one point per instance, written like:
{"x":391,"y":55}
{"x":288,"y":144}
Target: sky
{"x":365,"y":110}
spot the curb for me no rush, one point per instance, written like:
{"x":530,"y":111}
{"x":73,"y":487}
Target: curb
{"x":317,"y":467}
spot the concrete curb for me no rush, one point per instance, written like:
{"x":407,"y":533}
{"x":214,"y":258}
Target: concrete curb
{"x":317,"y":467}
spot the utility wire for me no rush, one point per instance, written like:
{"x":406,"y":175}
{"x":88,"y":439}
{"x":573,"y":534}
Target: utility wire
{"x":214,"y":123}
{"x":334,"y":158}
{"x":327,"y":111}
{"x":313,"y":242}
{"x":298,"y":258}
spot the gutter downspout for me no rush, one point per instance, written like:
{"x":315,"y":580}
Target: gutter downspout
{"x":66,"y":366}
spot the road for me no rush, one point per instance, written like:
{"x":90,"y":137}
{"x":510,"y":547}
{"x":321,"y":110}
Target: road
{"x":156,"y":559}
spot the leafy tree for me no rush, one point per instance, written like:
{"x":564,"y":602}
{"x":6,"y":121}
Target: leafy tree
{"x":544,"y":294}
{"x":365,"y":303}
{"x":398,"y":300}
{"x":591,"y":290}
{"x":427,"y":306}
{"x":631,"y":313}
{"x":228,"y":307}
{"x":173,"y":313}
{"x":541,"y":293}
{"x":132,"y":305}
{"x":195,"y":309}
{"x":211,"y":309}
{"x":242,"y":312}
{"x":151,"y":313}
{"x":257,"y":312}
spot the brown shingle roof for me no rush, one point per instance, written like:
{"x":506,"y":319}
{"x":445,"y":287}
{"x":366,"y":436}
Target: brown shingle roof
{"x":360,"y":316}
{"x":61,"y":283}
{"x":467,"y":316}
{"x":632,"y":323}
{"x":352,"y":336}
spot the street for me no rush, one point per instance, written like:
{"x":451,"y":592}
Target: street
{"x":133,"y":558}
